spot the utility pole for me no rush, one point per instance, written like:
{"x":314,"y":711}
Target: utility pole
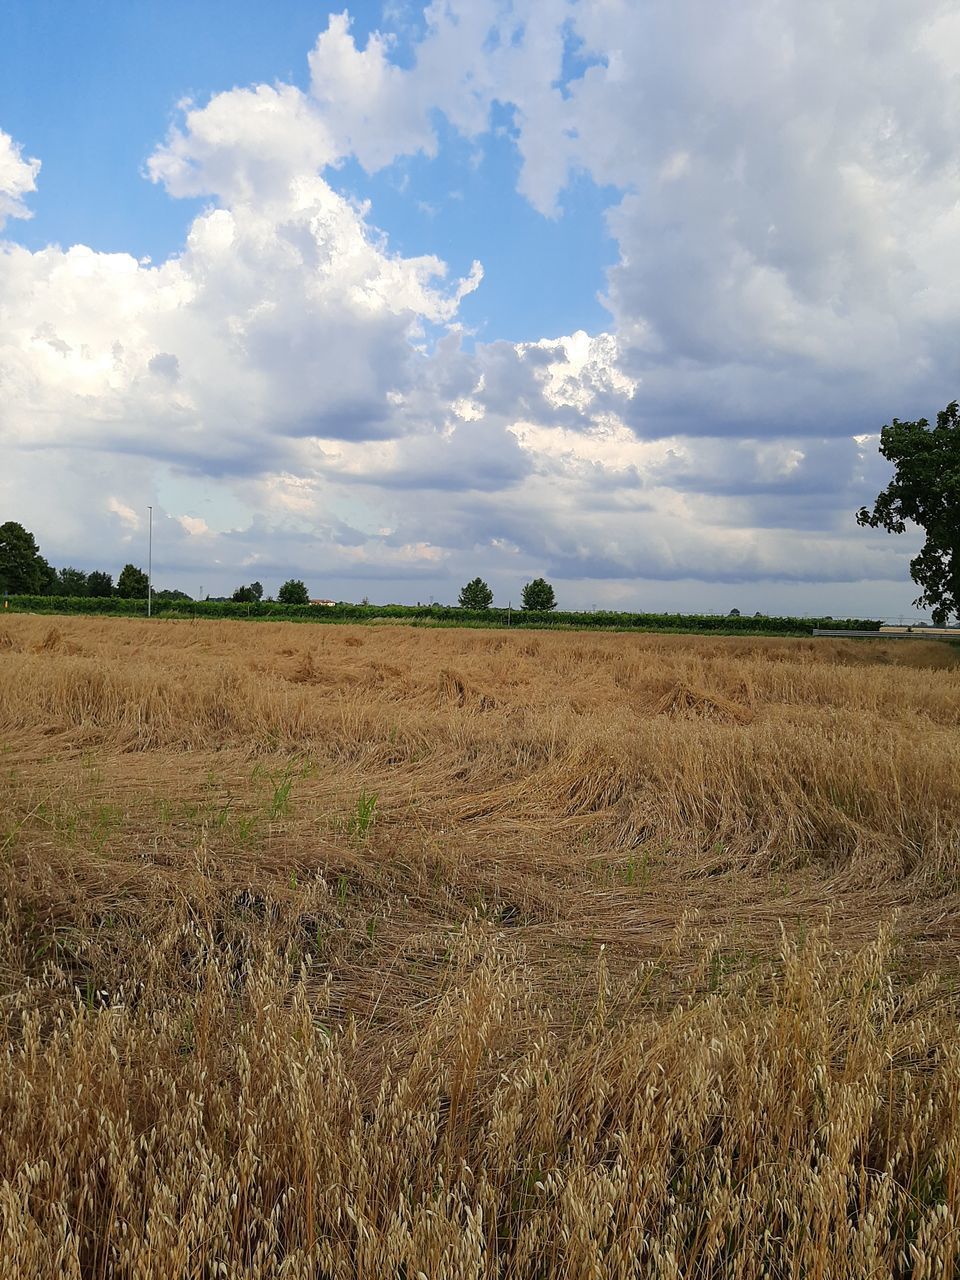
{"x":150,"y":566}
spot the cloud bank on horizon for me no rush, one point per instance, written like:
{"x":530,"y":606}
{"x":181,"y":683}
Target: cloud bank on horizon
{"x":297,"y":397}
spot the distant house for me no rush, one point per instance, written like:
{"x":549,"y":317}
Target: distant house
{"x":329,"y":604}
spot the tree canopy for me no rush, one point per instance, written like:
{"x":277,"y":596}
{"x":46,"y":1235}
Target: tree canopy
{"x":293,"y":591}
{"x":132,"y":583}
{"x":539,"y":595}
{"x":71,"y":582}
{"x":23,"y":570}
{"x":476,"y":595}
{"x":925,"y":490}
{"x":99,"y":583}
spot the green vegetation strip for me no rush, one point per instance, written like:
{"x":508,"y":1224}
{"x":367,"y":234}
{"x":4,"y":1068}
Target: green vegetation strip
{"x":439,"y":615}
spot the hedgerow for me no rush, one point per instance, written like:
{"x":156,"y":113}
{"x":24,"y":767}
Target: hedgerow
{"x":441,"y":615}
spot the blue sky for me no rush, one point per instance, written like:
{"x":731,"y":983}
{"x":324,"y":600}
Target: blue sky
{"x":92,"y":87}
{"x":620,"y":295}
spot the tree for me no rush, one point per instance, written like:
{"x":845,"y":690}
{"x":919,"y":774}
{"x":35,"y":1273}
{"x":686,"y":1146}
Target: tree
{"x":734,"y":613}
{"x":99,"y":584}
{"x":132,"y":583}
{"x":925,"y":490}
{"x":71,"y":582}
{"x":257,"y":589}
{"x":244,"y":595}
{"x":538,"y":594}
{"x":23,"y":570}
{"x":476,"y":595}
{"x":293,"y":591}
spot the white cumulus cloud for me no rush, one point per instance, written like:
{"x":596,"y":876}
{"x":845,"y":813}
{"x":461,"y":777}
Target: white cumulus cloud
{"x":18,"y":177}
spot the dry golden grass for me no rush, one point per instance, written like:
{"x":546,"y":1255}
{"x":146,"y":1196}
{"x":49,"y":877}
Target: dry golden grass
{"x":382,"y":952}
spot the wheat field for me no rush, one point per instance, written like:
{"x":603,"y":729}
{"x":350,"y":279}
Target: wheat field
{"x":411,"y":953}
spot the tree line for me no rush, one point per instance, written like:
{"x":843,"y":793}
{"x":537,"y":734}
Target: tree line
{"x":25,"y":572}
{"x":35,"y":585}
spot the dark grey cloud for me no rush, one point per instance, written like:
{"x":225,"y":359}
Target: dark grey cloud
{"x":165,"y":365}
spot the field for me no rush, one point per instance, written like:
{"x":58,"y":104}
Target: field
{"x":391,"y":952}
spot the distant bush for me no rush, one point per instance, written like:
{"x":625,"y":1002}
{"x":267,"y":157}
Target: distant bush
{"x":476,"y":595}
{"x":133,"y":583}
{"x":294,"y":591}
{"x":538,"y":596}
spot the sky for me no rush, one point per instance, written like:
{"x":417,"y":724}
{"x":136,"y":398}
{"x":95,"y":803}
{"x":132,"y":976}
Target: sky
{"x":386,"y":298}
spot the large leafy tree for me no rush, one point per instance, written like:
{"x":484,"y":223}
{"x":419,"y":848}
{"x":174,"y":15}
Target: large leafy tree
{"x":539,"y":594}
{"x":925,"y":490}
{"x":132,"y":583}
{"x":71,"y":582}
{"x":23,"y":570}
{"x":476,"y":595}
{"x":293,"y":591}
{"x":99,"y":583}
{"x":244,"y":595}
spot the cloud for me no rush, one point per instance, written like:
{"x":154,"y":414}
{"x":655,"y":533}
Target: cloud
{"x":789,"y":215}
{"x":125,"y":514}
{"x":164,"y":365}
{"x":17,"y":179}
{"x":246,"y":145}
{"x":782,"y":185}
{"x":279,"y":320}
{"x":196,"y":526}
{"x":372,"y":105}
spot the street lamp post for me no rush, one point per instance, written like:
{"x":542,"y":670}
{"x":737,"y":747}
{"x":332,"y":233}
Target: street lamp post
{"x":150,"y":566}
